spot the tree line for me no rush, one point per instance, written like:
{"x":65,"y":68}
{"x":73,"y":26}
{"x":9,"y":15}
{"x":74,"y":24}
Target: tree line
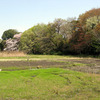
{"x":71,"y":36}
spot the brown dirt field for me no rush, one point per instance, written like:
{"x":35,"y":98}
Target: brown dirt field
{"x":92,"y":65}
{"x":42,"y":63}
{"x":84,"y":61}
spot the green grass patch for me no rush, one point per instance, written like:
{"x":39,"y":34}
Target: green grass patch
{"x":15,"y":68}
{"x":39,"y":57}
{"x":71,"y":64}
{"x":49,"y":84}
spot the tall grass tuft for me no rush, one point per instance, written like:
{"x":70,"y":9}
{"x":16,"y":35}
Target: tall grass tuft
{"x":12,"y":54}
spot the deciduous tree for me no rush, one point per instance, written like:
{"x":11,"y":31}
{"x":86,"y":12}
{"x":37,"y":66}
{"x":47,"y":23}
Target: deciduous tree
{"x":9,"y":34}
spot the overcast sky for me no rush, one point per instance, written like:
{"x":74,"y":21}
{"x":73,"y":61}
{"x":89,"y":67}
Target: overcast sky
{"x":23,"y":14}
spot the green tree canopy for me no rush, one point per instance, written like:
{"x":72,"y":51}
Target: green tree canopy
{"x":9,"y":34}
{"x":92,"y":22}
{"x":91,"y":13}
{"x":71,"y":36}
{"x":41,"y":39}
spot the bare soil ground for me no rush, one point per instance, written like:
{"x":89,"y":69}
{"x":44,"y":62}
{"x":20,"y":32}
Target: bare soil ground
{"x":15,"y":65}
{"x":92,"y":65}
{"x":29,"y":63}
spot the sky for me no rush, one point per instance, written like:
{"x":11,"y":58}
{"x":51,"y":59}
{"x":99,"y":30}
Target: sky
{"x":23,"y":14}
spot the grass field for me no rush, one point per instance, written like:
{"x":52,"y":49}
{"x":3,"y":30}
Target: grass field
{"x":49,"y":77}
{"x":49,"y":84}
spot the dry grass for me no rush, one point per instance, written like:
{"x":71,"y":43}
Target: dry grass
{"x":12,"y":54}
